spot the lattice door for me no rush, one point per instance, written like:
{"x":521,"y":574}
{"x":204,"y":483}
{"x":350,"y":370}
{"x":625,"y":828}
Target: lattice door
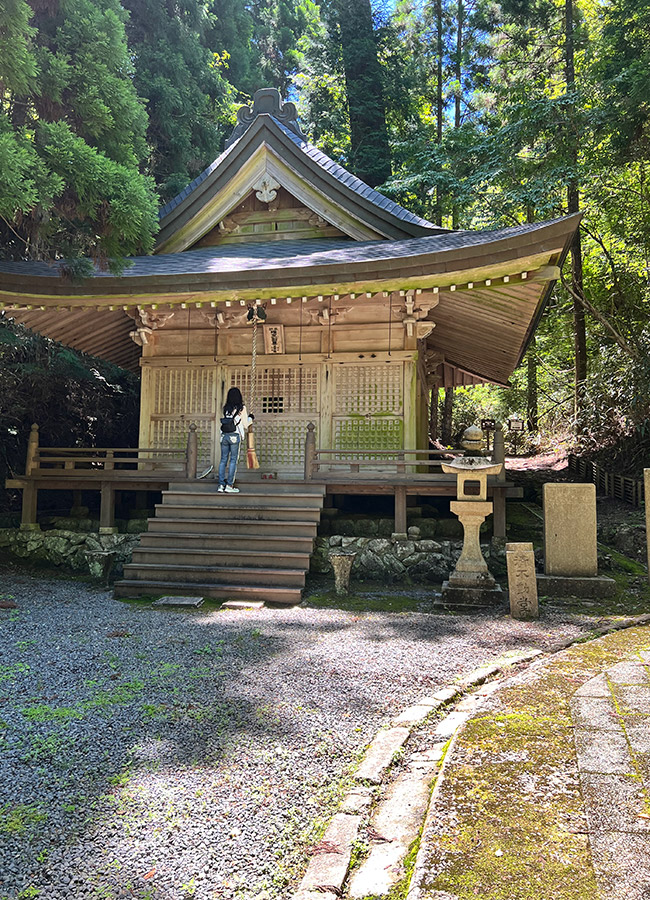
{"x":180,"y":397}
{"x":368,"y":407}
{"x":285,"y":400}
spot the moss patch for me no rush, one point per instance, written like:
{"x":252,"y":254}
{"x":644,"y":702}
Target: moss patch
{"x":510,"y":821}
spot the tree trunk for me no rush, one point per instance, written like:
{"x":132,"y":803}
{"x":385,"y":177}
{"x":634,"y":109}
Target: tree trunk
{"x":458,"y":73}
{"x":439,"y":103}
{"x":447,"y":416}
{"x":369,"y":150}
{"x":433,"y":413}
{"x":532,"y":408}
{"x":573,"y":206}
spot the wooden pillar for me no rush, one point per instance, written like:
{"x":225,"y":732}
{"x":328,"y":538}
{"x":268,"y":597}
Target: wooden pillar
{"x":31,"y":462}
{"x":400,"y":509}
{"x":499,"y":512}
{"x":28,"y":520}
{"x":107,"y":509}
{"x":499,"y":496}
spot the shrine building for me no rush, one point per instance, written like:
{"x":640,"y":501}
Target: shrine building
{"x":367,"y":307}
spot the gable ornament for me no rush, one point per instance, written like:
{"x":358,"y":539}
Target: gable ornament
{"x":266,"y":189}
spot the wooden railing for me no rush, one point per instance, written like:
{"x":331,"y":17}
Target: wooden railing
{"x":405,"y":468}
{"x":622,"y":487}
{"x":89,"y":461}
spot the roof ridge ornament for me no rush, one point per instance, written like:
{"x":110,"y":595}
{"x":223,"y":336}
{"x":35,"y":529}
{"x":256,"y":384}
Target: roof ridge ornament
{"x":266,"y":101}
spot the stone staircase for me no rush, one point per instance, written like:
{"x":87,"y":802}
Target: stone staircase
{"x":253,"y":546}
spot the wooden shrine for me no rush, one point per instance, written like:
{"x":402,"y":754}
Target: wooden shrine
{"x":367,"y":305}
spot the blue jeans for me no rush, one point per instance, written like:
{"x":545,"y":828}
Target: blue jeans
{"x":229,"y":456}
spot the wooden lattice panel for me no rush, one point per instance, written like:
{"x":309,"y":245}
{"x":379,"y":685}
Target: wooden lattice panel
{"x":279,"y":390}
{"x":188,"y":392}
{"x":285,"y":401}
{"x":368,"y":390}
{"x":171,"y":434}
{"x":361,"y":433}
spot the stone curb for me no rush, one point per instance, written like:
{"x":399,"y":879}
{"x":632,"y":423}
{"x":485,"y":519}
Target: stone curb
{"x":419,"y":870}
{"x":328,"y":869}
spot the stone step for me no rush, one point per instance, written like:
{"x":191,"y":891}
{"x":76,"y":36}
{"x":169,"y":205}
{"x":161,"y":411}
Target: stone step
{"x":215,"y":526}
{"x":188,"y":574}
{"x":281,"y":595}
{"x":239,"y":556}
{"x":231,"y":509}
{"x":245,"y":499}
{"x":252,"y":487}
{"x":255,"y":543}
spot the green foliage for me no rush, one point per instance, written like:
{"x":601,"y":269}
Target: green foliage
{"x":36,"y":374}
{"x":72,"y":135}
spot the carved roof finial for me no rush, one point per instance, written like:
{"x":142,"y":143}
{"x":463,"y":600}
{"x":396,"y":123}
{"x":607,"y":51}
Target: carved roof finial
{"x":266,"y":101}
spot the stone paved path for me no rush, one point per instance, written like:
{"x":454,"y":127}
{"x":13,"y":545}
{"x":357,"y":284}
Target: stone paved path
{"x":611,"y":715}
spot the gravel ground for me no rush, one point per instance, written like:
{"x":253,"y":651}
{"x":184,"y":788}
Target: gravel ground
{"x":163,"y":754}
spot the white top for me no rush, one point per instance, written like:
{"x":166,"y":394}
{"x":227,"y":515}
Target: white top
{"x":243,"y":423}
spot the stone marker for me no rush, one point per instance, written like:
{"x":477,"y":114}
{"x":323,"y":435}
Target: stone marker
{"x":646,"y":486}
{"x":342,"y":565}
{"x":522,"y":581}
{"x":178,"y":601}
{"x":570,"y":530}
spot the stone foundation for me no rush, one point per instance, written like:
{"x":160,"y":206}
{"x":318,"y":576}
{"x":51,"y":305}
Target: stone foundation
{"x":71,"y":550}
{"x":420,"y":560}
{"x":382,"y":559}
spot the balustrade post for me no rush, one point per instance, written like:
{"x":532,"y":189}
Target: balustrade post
{"x":32,"y":450}
{"x":192,"y":452}
{"x":310,"y":452}
{"x":109,"y":462}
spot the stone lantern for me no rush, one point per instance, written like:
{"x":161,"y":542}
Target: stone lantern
{"x":471,"y":584}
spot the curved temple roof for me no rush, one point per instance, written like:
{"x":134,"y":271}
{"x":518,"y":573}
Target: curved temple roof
{"x":492,"y":285}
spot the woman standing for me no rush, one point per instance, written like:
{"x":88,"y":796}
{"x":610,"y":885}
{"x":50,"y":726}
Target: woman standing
{"x":234,"y":424}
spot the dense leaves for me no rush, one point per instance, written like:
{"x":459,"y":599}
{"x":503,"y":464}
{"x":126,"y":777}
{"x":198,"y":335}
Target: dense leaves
{"x":76,"y":400}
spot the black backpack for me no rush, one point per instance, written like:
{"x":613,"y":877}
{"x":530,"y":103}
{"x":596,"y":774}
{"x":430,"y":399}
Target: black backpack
{"x":228,"y":424}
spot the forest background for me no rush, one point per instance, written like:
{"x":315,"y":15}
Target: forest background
{"x":472,"y":113}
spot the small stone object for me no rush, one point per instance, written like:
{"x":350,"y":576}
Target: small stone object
{"x":522,"y":581}
{"x":342,"y":565}
{"x":472,"y":438}
{"x":242,"y":604}
{"x":414,"y":532}
{"x":570,"y":530}
{"x":194,"y":602}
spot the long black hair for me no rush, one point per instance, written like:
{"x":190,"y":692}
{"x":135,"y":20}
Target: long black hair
{"x":234,"y":401}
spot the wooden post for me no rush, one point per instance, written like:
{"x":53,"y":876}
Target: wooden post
{"x":192,"y":452}
{"x":310,"y":452}
{"x":499,"y":450}
{"x":646,"y":487}
{"x":28,"y":520}
{"x":499,"y":495}
{"x":499,"y":512}
{"x":107,"y":509}
{"x":31,"y":461}
{"x":400,"y":509}
{"x":109,"y":462}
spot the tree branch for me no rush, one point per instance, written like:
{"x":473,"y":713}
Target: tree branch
{"x":620,"y":340}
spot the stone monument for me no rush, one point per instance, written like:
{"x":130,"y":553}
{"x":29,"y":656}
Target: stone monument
{"x":342,"y":564}
{"x":471,"y":585}
{"x":570,"y":543}
{"x":522,"y":581}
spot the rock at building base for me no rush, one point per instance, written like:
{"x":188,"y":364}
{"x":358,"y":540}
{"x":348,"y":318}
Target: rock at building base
{"x":178,"y":601}
{"x":585,"y":587}
{"x":469,"y":598}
